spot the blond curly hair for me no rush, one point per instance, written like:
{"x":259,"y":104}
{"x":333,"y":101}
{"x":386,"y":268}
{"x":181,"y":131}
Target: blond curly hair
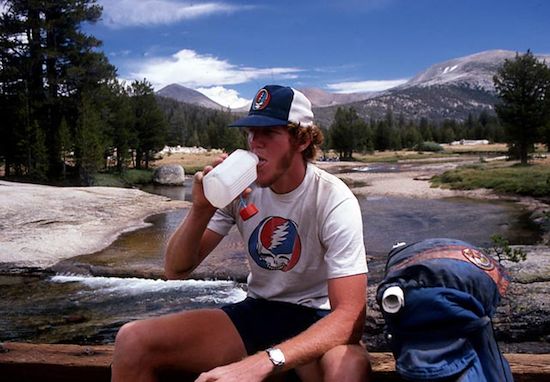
{"x":301,"y":133}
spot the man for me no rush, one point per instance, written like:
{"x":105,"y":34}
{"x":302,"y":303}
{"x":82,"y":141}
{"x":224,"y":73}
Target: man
{"x":305,"y":308}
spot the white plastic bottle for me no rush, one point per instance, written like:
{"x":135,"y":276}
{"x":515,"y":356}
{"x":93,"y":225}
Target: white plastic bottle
{"x":230,"y":178}
{"x":393,"y":299}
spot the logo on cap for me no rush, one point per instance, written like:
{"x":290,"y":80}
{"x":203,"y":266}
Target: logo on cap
{"x":261,"y":100}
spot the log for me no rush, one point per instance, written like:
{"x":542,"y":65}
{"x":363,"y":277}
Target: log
{"x":23,"y":362}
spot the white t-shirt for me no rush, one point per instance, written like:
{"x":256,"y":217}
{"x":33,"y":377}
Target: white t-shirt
{"x":299,"y":240}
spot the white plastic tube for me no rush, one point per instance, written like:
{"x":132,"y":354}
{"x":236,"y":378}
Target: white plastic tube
{"x":393,"y":299}
{"x":230,"y":178}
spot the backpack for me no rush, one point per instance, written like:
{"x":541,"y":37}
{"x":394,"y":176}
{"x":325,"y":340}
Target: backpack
{"x":437,"y":298}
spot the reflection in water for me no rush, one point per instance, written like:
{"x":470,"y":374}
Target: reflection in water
{"x":172,"y":192}
{"x":378,"y":168}
{"x":388,"y":220}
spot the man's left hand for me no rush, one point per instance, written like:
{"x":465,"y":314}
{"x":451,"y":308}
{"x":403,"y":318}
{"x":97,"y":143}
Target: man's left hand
{"x":251,"y":369}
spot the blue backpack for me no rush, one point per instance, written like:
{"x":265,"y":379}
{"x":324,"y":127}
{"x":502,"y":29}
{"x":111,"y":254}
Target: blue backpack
{"x":437,"y":299}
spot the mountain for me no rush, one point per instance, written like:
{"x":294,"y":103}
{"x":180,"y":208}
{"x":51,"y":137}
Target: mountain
{"x":474,"y":71}
{"x":450,"y":89}
{"x":321,"y":98}
{"x":186,"y":95}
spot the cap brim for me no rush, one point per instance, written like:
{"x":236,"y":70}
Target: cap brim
{"x":258,"y":121}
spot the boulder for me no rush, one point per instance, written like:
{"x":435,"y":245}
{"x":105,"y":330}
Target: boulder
{"x":169,"y":175}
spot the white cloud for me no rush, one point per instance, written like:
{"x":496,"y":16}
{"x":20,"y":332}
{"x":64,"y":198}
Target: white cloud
{"x":225,"y":97}
{"x":120,"y":53}
{"x":193,"y":70}
{"x":365,"y":86}
{"x":123,"y":13}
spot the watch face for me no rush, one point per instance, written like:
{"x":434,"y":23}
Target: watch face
{"x":276,"y":356}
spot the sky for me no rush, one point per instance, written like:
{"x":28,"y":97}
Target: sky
{"x":228,"y":49}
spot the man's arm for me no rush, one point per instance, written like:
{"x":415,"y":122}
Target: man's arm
{"x":192,"y":241}
{"x":189,"y":245}
{"x":344,"y":325}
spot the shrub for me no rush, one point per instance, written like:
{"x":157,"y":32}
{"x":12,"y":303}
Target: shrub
{"x":501,"y":250}
{"x":429,"y":146}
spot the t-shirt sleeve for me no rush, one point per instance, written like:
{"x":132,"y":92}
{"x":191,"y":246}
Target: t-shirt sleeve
{"x":342,"y":236}
{"x":222,"y":221}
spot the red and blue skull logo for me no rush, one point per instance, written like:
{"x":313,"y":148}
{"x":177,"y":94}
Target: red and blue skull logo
{"x":275,"y":244}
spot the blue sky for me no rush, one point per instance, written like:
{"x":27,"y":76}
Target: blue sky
{"x":228,"y":49}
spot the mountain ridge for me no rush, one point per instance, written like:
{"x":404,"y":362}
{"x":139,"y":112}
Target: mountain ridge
{"x":449,"y":89}
{"x":187,"y":95}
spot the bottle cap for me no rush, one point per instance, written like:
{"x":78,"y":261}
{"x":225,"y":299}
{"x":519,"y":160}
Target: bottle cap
{"x":248,"y":211}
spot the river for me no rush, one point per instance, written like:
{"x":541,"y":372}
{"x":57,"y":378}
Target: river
{"x":75,"y":307}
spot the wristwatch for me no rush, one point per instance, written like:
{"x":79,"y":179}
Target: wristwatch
{"x":276,"y":357}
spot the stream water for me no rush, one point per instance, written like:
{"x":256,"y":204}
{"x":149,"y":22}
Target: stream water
{"x":77,"y":308}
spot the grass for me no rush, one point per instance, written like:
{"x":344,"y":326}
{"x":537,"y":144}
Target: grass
{"x":396,"y":156}
{"x":500,"y":148}
{"x":128,"y":178}
{"x":191,"y":163}
{"x":449,"y":151}
{"x":531,"y":180}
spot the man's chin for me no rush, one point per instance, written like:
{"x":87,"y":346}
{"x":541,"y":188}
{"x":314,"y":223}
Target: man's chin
{"x":262,"y":184}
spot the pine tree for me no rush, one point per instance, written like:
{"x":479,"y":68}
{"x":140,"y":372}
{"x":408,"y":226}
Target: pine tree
{"x":149,"y":123}
{"x":120,"y":124}
{"x":382,"y":136}
{"x":344,"y":132}
{"x":523,"y":86}
{"x":47,"y":62}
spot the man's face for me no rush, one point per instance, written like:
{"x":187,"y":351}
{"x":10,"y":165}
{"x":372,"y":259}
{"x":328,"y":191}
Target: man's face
{"x":273,"y":147}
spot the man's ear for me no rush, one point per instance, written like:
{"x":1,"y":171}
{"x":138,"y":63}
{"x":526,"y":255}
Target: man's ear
{"x":304,"y":144}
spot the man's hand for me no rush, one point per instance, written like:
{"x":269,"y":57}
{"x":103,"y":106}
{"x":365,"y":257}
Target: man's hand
{"x":251,"y":369}
{"x":191,"y":242}
{"x":199,"y":200}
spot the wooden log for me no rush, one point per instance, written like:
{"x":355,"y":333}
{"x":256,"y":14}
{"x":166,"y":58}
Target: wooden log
{"x":23,"y":362}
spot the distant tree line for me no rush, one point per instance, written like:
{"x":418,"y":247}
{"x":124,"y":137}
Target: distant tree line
{"x":349,"y":132}
{"x":191,"y":125}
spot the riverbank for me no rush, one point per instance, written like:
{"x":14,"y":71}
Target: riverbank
{"x":412,"y":180}
{"x":41,"y":225}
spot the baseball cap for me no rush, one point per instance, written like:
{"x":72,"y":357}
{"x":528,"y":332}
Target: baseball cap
{"x":276,"y":105}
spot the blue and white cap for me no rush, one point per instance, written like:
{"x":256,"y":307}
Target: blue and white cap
{"x":276,"y":105}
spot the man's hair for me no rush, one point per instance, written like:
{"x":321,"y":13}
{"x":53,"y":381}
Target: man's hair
{"x":301,"y":133}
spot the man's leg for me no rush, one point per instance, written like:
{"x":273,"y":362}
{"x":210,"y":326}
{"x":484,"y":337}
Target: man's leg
{"x":345,"y":363}
{"x":191,"y":341}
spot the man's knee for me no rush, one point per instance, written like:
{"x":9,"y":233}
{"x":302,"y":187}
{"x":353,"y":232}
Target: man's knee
{"x":130,"y":344}
{"x":346,"y":363}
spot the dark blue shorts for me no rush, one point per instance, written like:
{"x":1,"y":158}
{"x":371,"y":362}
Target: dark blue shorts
{"x":263,"y":323}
